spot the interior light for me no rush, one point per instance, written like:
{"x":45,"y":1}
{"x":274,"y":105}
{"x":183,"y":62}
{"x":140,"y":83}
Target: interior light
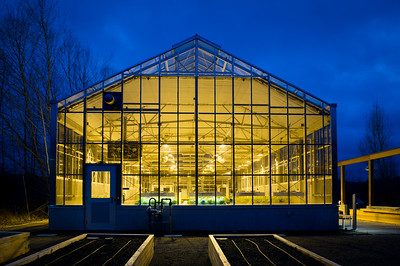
{"x":260,"y":155}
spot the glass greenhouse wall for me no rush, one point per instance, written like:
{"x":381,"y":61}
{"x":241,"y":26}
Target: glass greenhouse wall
{"x":199,"y":126}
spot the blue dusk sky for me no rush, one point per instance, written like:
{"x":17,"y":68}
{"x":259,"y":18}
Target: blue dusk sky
{"x":344,"y":52}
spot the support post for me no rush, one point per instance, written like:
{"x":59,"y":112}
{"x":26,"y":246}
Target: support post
{"x":335,"y":178}
{"x":53,"y":152}
{"x":354,"y":212}
{"x":342,"y":185}
{"x":370,"y":183}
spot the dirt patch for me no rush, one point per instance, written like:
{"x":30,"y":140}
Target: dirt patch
{"x":181,"y":251}
{"x":262,"y":251}
{"x":94,"y":251}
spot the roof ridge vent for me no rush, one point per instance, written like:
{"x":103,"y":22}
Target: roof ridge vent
{"x":196,"y":37}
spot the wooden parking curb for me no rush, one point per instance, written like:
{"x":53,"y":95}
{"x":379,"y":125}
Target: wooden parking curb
{"x":46,"y":251}
{"x":144,"y":254}
{"x":319,"y":258}
{"x":12,"y":245}
{"x":217,"y":257}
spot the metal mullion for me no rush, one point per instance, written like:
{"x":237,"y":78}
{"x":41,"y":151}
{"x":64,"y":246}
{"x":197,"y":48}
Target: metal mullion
{"x":269,"y":146}
{"x":177,"y":127}
{"x":305,"y":148}
{"x":84,"y":148}
{"x":65,"y":141}
{"x":196,"y":121}
{"x":140,"y":137}
{"x":215,"y":139}
{"x":233,"y":138}
{"x":323,"y":152}
{"x":252,"y":149}
{"x":159,"y":128}
{"x":102,"y":130}
{"x":288,"y":140}
{"x":123,"y":131}
{"x":215,"y":130}
{"x":122,"y":120}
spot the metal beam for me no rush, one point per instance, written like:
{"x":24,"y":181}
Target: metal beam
{"x":369,"y":157}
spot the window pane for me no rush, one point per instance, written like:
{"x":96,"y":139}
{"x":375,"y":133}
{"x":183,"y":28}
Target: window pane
{"x":206,"y":189}
{"x":131,"y":126}
{"x":112,"y":127}
{"x":168,"y":188}
{"x":74,"y":126}
{"x":150,"y":159}
{"x":149,"y":90}
{"x":186,"y":94}
{"x":169,"y":97}
{"x":224,"y":95}
{"x":260,"y":95}
{"x":206,"y":128}
{"x":132,"y":90}
{"x":206,"y":95}
{"x":100,"y":184}
{"x":169,"y":128}
{"x":224,"y":190}
{"x":149,"y":188}
{"x":94,"y":127}
{"x":95,"y":101}
{"x":60,"y":190}
{"x":73,"y":190}
{"x":187,"y":190}
{"x":93,"y":153}
{"x":242,"y":91}
{"x":224,"y":129}
{"x":279,"y":129}
{"x":150,"y":127}
{"x":130,"y":190}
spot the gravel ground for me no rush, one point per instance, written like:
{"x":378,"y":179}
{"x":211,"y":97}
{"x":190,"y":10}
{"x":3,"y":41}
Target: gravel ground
{"x":181,"y":251}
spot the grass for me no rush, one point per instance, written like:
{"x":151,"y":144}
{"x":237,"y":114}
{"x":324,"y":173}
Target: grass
{"x":14,"y":218}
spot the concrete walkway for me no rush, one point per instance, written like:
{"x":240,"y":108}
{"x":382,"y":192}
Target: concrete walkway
{"x":370,"y":244}
{"x":374,"y":228}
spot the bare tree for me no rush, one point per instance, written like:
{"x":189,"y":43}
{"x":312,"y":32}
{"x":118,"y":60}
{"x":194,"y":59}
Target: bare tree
{"x":377,"y":138}
{"x":40,"y":62}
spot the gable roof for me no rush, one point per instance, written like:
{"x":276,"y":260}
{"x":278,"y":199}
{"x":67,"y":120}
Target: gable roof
{"x":196,"y":56}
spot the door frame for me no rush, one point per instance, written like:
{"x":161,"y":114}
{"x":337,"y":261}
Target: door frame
{"x":113,"y":201}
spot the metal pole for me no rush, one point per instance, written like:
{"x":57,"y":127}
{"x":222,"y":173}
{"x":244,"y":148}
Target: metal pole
{"x":335,"y":179}
{"x":342,"y":185}
{"x":354,"y":212}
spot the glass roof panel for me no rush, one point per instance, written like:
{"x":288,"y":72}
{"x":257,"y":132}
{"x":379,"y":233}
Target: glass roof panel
{"x":197,"y":55}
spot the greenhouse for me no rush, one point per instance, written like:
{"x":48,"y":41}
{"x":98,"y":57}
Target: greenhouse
{"x":226,"y":142}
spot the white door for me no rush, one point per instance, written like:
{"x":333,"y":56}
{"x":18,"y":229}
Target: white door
{"x":100,"y":196}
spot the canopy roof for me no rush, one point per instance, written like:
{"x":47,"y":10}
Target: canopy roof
{"x":196,"y":56}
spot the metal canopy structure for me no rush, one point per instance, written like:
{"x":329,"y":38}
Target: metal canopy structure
{"x":370,"y":158}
